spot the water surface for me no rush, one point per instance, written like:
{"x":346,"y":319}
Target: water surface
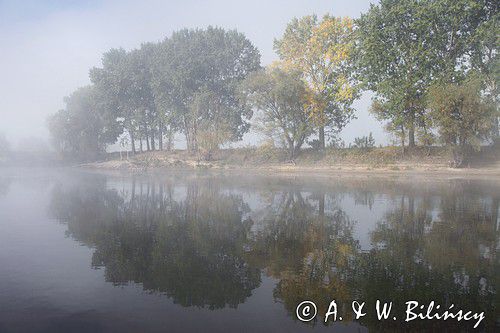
{"x":192,"y":252}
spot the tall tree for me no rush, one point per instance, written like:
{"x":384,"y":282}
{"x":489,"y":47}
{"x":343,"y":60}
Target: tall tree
{"x":124,"y":81}
{"x":484,"y":44}
{"x":141,"y":92}
{"x":322,"y":50}
{"x":281,"y":97}
{"x":394,"y":60}
{"x":200,"y":64}
{"x":406,"y":46}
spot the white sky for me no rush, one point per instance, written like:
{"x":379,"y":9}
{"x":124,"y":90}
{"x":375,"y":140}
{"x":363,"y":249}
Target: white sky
{"x":48,"y":47}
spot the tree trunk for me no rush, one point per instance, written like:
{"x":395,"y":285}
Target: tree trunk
{"x":169,"y":139}
{"x":153,"y":144}
{"x":496,"y":130}
{"x":189,"y":142}
{"x":140,"y":145}
{"x":189,"y":133}
{"x":132,"y":141}
{"x":411,"y":130}
{"x":291,"y":147}
{"x":160,"y":137}
{"x":403,"y":141}
{"x":321,"y":135}
{"x":195,"y":139}
{"x":147,"y":141}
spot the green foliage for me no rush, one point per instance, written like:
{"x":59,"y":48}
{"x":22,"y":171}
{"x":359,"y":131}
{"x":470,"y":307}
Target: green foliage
{"x":462,"y":114}
{"x":394,"y":60}
{"x":364,"y":142}
{"x":191,"y":82}
{"x":281,"y":97}
{"x":188,"y":82}
{"x":464,"y":117}
{"x":83,"y":128}
{"x":124,"y":80}
{"x":205,"y":65}
{"x":405,"y":46}
{"x":322,"y":50}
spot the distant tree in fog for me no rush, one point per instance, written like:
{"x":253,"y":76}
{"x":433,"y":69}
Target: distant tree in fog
{"x":84,"y":127}
{"x":4,"y":144}
{"x":32,"y":144}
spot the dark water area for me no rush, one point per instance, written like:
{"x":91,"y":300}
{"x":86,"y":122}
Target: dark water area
{"x":206,"y":252}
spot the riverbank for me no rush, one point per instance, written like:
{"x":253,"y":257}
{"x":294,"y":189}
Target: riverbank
{"x":386,"y":160}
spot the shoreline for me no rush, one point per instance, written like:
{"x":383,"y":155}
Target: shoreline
{"x":386,"y":161}
{"x":395,"y":170}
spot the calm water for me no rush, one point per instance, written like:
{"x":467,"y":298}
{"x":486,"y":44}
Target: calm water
{"x":87,"y":252}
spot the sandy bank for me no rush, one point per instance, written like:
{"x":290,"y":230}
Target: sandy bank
{"x":380,"y":162}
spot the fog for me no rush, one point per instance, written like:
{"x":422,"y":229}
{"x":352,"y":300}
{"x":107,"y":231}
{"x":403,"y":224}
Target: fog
{"x":163,"y":168}
{"x":48,"y":48}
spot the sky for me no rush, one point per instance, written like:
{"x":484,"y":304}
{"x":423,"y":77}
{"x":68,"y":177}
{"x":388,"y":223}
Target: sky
{"x":47,"y":48}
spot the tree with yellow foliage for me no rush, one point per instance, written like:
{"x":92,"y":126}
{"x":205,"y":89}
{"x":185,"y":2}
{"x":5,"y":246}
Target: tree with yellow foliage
{"x":322,"y":51}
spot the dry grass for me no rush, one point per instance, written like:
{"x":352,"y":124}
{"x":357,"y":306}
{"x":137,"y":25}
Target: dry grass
{"x":384,"y":158}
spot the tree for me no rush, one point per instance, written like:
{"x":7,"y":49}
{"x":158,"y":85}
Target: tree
{"x":384,"y":111}
{"x":464,"y":36}
{"x":394,"y":61}
{"x":205,"y":65}
{"x":164,"y":120}
{"x":322,"y":51}
{"x":83,"y":128}
{"x":141,"y":90}
{"x":483,"y":52}
{"x":124,"y":80}
{"x":463,"y":116}
{"x":364,"y":142}
{"x":406,"y":46}
{"x":4,"y":145}
{"x":281,"y":97}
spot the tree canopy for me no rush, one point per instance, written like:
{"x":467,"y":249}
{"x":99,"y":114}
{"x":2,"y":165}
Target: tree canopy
{"x":197,"y":75}
{"x":281,"y":96}
{"x":322,"y":51}
{"x":207,"y":83}
{"x":406,"y":46}
{"x":84,"y":127}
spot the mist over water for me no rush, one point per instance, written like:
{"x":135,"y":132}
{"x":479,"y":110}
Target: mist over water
{"x":103,"y":252}
{"x":249,"y":166}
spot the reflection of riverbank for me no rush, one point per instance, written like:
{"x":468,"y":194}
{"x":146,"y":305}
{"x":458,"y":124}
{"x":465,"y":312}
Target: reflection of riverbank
{"x":205,"y":240}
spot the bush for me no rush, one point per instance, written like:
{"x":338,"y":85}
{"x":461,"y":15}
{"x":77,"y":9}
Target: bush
{"x":364,"y":142}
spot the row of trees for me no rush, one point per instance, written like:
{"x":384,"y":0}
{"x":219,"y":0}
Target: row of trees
{"x":432,"y":65}
{"x":186,"y":83}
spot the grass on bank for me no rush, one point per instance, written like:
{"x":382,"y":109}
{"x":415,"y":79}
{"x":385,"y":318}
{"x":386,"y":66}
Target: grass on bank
{"x":392,"y":158}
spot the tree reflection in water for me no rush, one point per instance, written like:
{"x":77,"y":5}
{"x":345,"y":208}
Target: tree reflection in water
{"x":198,"y":241}
{"x":190,"y":249}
